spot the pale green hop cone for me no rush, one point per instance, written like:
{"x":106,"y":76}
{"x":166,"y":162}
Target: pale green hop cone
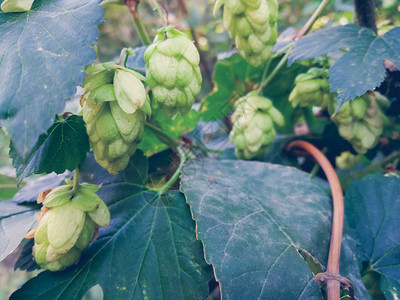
{"x":312,"y":88}
{"x":115,"y":105}
{"x":253,"y":26}
{"x":65,"y":230}
{"x":172,"y":71}
{"x":254,"y":126}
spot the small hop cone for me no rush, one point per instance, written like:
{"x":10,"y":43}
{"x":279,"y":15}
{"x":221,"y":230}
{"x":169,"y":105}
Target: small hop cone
{"x":115,"y":105}
{"x":312,"y":88}
{"x":253,"y":26}
{"x":346,"y":160}
{"x":254,"y":126}
{"x":16,"y":5}
{"x":172,"y":71}
{"x":359,"y":121}
{"x":66,"y":226}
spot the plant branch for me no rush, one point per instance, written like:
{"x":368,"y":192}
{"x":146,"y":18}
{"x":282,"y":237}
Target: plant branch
{"x":365,"y":13}
{"x":160,"y":10}
{"x":376,"y":166}
{"x":76,"y":180}
{"x":275,"y":71}
{"x":331,"y":277}
{"x":312,"y":20}
{"x":141,"y":30}
{"x":183,"y":157}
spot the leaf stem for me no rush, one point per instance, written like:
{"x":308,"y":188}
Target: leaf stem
{"x":376,"y":166}
{"x":183,"y":157}
{"x":160,"y":11}
{"x":141,"y":30}
{"x":331,"y":277}
{"x":312,"y":20}
{"x":275,"y":71}
{"x":76,"y":180}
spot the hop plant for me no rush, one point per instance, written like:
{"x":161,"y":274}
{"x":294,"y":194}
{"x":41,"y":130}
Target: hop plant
{"x":312,"y":88}
{"x":115,"y":105}
{"x":253,"y":26}
{"x":172,"y":71}
{"x":253,"y":126}
{"x":359,"y":121}
{"x":68,"y":222}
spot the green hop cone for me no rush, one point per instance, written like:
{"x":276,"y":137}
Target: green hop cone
{"x":66,"y":226}
{"x":115,"y":105}
{"x":359,"y":121}
{"x":172,"y":71}
{"x":16,"y":5}
{"x":312,"y":88}
{"x":346,"y":160}
{"x":254,"y":126}
{"x":253,"y":26}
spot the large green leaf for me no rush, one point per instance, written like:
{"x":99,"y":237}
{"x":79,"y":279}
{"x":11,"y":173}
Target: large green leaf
{"x":63,"y":147}
{"x":149,"y":251}
{"x":361,"y":68}
{"x":253,"y":218}
{"x":15,"y":222}
{"x":42,"y":55}
{"x":373,"y":210}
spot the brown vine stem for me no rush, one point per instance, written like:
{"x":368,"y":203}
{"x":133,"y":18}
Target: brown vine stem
{"x":331,"y":277}
{"x":312,"y":20}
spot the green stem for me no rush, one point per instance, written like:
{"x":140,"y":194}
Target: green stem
{"x":177,"y":173}
{"x":160,"y":11}
{"x":259,"y":90}
{"x":316,"y":167}
{"x":376,"y":166}
{"x":141,"y":30}
{"x":76,"y":180}
{"x":165,"y":138}
{"x":275,"y":71}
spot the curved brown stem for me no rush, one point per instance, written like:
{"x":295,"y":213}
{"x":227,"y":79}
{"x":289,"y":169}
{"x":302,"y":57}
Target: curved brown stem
{"x":332,"y":276}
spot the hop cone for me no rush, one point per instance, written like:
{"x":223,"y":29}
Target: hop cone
{"x":346,"y":160}
{"x":172,"y":71}
{"x":253,"y":126}
{"x":359,"y":121}
{"x":312,"y":88}
{"x":253,"y":26}
{"x":114,"y":110}
{"x":67,"y":224}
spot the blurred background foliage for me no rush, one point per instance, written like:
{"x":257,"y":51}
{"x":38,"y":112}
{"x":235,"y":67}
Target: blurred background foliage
{"x":195,"y":18}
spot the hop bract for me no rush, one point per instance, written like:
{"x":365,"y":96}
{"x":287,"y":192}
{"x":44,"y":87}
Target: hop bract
{"x":359,"y":121}
{"x":312,"y":88}
{"x":172,"y":71}
{"x":253,"y":26}
{"x":16,"y":5}
{"x":115,"y":105}
{"x":254,"y":126}
{"x":67,"y":224}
